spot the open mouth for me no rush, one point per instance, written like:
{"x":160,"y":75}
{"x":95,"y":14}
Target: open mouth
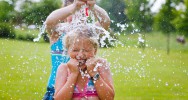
{"x":82,"y":62}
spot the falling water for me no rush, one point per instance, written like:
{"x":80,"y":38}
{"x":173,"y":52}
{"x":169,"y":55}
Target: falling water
{"x":80,"y":19}
{"x":42,"y":31}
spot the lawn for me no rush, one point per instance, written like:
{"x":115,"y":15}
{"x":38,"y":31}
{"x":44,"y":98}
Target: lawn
{"x":138,"y":74}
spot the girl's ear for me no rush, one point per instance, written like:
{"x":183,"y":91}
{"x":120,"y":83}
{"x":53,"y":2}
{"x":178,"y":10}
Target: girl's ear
{"x":95,"y":52}
{"x":68,"y":51}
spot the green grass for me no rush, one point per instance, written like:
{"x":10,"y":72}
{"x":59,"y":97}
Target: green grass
{"x":24,"y":31}
{"x":25,"y":67}
{"x":149,"y":74}
{"x":138,"y":74}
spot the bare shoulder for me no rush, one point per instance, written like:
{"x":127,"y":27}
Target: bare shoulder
{"x":62,"y":68}
{"x":61,"y":76}
{"x":62,"y":73}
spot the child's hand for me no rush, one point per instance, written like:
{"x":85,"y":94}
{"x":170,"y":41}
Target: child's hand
{"x":73,"y":66}
{"x":91,"y":63}
{"x":91,"y":3}
{"x":79,"y":3}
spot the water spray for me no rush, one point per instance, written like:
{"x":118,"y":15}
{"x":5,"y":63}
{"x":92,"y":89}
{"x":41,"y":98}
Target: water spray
{"x":79,"y":20}
{"x":42,"y":31}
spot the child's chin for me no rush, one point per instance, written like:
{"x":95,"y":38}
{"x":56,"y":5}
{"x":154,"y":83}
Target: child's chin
{"x":83,"y":67}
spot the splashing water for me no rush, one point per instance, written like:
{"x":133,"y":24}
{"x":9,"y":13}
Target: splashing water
{"x":42,"y":31}
{"x":81,"y":18}
{"x":85,"y":17}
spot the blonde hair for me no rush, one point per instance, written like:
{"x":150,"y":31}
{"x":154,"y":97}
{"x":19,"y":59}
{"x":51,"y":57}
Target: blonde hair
{"x":86,"y":33}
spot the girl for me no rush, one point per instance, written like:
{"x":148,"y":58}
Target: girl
{"x":55,"y":20}
{"x":84,"y":76}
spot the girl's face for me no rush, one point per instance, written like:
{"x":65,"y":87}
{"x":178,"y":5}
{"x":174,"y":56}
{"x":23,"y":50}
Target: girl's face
{"x":81,"y":49}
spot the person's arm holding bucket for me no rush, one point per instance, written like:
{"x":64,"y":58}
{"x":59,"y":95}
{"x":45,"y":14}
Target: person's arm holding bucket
{"x":61,"y":14}
{"x":102,"y":16}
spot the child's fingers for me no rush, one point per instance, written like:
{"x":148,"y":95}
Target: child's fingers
{"x":79,"y":3}
{"x":91,"y":3}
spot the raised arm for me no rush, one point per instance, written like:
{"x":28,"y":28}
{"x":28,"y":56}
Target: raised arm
{"x":100,"y":14}
{"x":61,"y":14}
{"x":102,"y":17}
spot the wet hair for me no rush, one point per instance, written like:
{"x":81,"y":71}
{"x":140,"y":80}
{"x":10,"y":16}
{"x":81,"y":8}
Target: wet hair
{"x":67,"y":2}
{"x":86,"y":33}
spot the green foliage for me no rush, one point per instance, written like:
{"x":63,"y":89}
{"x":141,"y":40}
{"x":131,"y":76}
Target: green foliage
{"x":180,"y":22}
{"x":26,"y":34}
{"x":139,"y":14}
{"x":108,"y":42}
{"x":7,"y":30}
{"x":115,"y":9}
{"x":5,"y":11}
{"x":163,"y":20}
{"x":26,"y":37}
{"x":36,"y":13}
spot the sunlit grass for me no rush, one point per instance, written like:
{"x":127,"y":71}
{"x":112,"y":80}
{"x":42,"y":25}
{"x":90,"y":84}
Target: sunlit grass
{"x":155,"y":40}
{"x":138,"y":75}
{"x":25,"y":67}
{"x":149,"y":74}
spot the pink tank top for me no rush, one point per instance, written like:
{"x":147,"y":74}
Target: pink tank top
{"x":88,"y":91}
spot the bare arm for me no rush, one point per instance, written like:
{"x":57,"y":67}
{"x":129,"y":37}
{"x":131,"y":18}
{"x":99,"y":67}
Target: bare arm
{"x":102,"y":16}
{"x":104,"y":85}
{"x":64,"y":84}
{"x":58,"y":16}
{"x":61,"y":14}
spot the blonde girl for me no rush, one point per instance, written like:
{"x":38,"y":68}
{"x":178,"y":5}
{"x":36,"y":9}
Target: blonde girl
{"x":84,"y":76}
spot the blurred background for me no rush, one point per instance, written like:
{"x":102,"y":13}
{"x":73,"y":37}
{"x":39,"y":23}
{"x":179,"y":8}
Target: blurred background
{"x":150,"y":60}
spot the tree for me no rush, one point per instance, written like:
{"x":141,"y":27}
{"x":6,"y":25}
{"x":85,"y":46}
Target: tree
{"x":36,"y":13}
{"x":180,"y":22}
{"x":5,"y":11}
{"x":139,"y":14}
{"x":115,"y":9}
{"x":163,"y":21}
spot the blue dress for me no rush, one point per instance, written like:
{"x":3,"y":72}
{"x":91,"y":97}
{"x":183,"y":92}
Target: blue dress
{"x":58,"y":56}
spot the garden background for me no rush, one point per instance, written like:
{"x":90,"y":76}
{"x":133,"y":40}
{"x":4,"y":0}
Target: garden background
{"x":149,"y":62}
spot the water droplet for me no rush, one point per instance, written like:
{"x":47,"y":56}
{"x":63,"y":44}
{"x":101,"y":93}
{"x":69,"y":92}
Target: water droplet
{"x":166,"y":84}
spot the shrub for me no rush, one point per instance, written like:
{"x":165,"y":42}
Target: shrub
{"x":25,"y":37}
{"x":29,"y":37}
{"x":20,"y":37}
{"x":7,"y":30}
{"x":107,"y":42}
